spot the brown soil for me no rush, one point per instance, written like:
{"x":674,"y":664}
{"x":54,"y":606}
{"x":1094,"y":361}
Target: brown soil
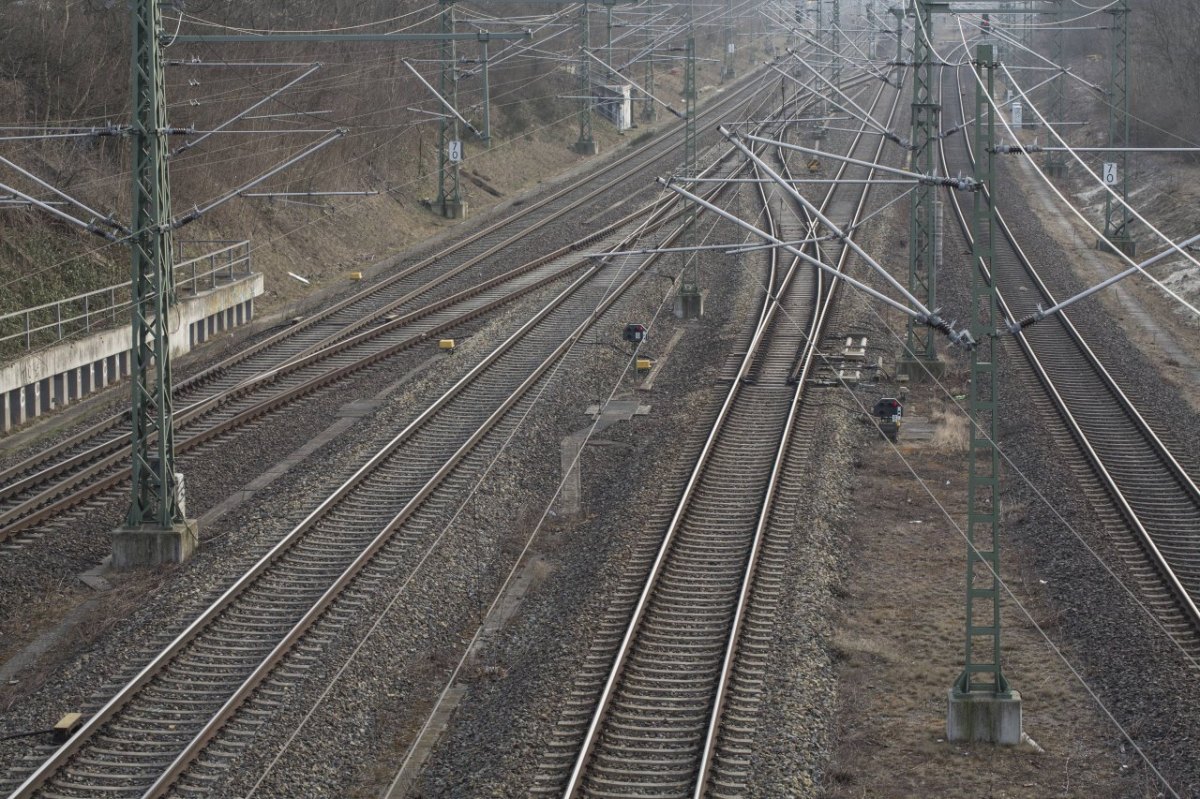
{"x":899,"y":644}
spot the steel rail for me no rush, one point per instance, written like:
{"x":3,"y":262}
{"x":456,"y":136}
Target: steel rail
{"x":239,"y":587}
{"x":1177,"y":590}
{"x":169,"y":777}
{"x":525,"y":211}
{"x":603,"y":705}
{"x":195,"y":628}
{"x":800,"y":377}
{"x":658,"y":250}
{"x":165,"y":782}
{"x":99,"y":462}
{"x":111,"y":454}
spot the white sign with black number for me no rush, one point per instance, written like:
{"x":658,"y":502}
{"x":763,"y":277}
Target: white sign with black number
{"x":1110,"y":174}
{"x":455,"y":151}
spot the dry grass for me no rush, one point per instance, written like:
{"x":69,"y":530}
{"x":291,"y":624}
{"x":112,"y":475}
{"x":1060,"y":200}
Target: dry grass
{"x":951,"y":431}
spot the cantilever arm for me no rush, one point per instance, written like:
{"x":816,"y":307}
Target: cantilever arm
{"x":931,"y":320}
{"x":1015,"y":327}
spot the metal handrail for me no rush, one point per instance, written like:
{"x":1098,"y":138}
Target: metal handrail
{"x":101,"y":304}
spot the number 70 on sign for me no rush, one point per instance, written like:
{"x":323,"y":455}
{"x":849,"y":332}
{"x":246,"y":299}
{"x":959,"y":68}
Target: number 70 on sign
{"x":1110,"y":174}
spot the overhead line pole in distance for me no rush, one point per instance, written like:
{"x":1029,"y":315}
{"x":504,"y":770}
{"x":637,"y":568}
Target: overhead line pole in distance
{"x":585,"y":144}
{"x":835,"y":36}
{"x":689,"y":302}
{"x":449,"y":200}
{"x":1056,"y":162}
{"x":920,"y":356}
{"x":981,"y":704}
{"x":898,"y":13}
{"x":1116,"y":172}
{"x":649,"y":112}
{"x":872,"y":30}
{"x":728,"y":72}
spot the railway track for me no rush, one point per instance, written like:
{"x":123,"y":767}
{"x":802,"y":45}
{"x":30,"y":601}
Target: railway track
{"x":1129,"y":474}
{"x":449,"y":288}
{"x":666,"y":701}
{"x":273,"y":392}
{"x":67,"y":468}
{"x":145,"y":738}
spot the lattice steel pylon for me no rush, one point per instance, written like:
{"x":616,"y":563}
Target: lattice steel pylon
{"x":982,"y":676}
{"x":1027,"y":27}
{"x":689,"y":104}
{"x":449,"y":199}
{"x":872,"y":30}
{"x":821,"y":56}
{"x":155,"y":493}
{"x":922,"y":239}
{"x":899,"y":13}
{"x":1056,"y":105}
{"x":585,"y":144}
{"x":727,"y":68}
{"x":689,"y":301}
{"x":649,"y":112}
{"x":1116,"y":214}
{"x":835,"y":40}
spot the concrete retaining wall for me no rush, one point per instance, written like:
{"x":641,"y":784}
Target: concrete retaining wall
{"x":59,"y":375}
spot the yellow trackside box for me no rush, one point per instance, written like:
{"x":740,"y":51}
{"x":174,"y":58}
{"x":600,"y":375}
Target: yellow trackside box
{"x":356,"y":275}
{"x":67,"y":726}
{"x":446,"y":344}
{"x":644,"y":364}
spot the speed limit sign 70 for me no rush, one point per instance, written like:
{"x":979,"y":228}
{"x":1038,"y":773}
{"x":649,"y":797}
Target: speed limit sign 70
{"x":1110,"y":174}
